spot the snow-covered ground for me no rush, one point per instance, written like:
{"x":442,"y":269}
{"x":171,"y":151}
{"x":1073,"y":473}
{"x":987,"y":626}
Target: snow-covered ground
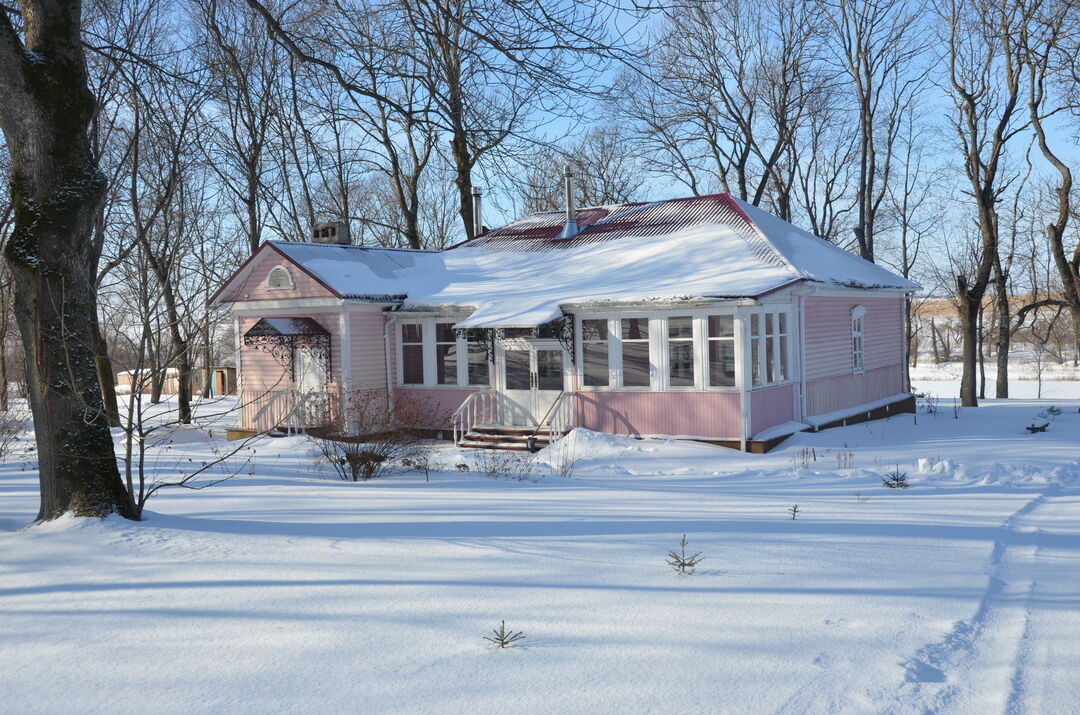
{"x":288,"y":590}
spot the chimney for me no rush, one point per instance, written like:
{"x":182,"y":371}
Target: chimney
{"x":331,"y":232}
{"x":570,"y":229}
{"x":477,"y":213}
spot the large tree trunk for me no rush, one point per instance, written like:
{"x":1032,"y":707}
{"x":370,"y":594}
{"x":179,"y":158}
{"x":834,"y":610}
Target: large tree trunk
{"x":56,"y":189}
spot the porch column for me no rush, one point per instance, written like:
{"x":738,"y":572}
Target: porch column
{"x":743,"y":374}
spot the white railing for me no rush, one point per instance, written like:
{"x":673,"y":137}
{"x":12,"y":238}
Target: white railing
{"x":266,"y":410}
{"x":478,"y":408}
{"x":560,"y":417}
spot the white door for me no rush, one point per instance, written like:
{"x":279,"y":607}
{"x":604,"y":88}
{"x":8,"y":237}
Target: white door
{"x":310,"y":371}
{"x":310,"y":380}
{"x":531,"y":377}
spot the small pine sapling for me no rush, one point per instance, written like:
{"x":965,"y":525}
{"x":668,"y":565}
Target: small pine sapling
{"x":896,"y":479}
{"x":794,"y":511}
{"x":503,"y":638}
{"x":682,"y":564}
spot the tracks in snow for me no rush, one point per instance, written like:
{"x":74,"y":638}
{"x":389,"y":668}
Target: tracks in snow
{"x":980,"y":665}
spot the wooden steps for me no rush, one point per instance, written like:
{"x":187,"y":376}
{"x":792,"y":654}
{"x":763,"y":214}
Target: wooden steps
{"x":508,"y":437}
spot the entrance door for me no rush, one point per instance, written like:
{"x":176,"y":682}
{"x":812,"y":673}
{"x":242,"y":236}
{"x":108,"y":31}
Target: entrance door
{"x":532,"y":375}
{"x":310,"y":380}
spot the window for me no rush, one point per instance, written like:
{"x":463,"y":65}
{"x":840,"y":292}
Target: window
{"x":769,"y":348}
{"x":755,"y":348}
{"x":635,"y":352}
{"x":681,"y":351}
{"x":594,"y":353}
{"x":279,"y":278}
{"x":721,"y":339}
{"x":412,"y":354}
{"x":477,"y":355}
{"x":446,"y":352}
{"x":857,"y":314}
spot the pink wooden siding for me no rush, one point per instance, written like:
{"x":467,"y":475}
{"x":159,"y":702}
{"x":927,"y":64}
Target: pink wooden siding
{"x":254,"y":288}
{"x":830,"y":394}
{"x":700,"y":414}
{"x":437,"y":403}
{"x":368,"y":350}
{"x":828,"y":334}
{"x":771,"y":407}
{"x":259,"y":369}
{"x":831,"y":384}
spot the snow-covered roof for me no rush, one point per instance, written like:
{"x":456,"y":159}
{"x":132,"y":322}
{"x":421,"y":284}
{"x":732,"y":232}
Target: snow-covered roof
{"x":702,"y":248}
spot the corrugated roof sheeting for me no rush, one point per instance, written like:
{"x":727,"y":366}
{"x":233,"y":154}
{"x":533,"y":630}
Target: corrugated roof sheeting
{"x":539,"y":232}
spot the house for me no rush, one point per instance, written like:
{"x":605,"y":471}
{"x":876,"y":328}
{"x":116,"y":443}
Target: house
{"x":700,"y":317}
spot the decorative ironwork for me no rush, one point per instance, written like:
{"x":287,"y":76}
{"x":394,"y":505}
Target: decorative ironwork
{"x":280,"y":337}
{"x":561,"y":329}
{"x":481,"y":336}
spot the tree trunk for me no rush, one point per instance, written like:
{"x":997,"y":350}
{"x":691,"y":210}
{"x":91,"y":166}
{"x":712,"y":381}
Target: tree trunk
{"x":1004,"y":338}
{"x":56,"y":189}
{"x":968,"y":310}
{"x":105,"y":376}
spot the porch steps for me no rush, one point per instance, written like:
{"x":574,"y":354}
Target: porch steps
{"x":504,"y":437}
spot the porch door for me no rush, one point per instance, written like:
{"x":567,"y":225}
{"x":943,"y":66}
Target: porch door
{"x":531,"y":376}
{"x":310,"y":371}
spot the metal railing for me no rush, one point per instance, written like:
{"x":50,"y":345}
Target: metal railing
{"x":481,"y":407}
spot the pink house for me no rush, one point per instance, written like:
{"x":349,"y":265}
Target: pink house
{"x":702,"y":317}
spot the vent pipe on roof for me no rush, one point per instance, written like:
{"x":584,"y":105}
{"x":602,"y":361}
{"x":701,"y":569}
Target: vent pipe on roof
{"x":477,"y":213}
{"x":570,"y":229}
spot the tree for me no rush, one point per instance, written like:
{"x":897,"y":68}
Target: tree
{"x":56,"y":190}
{"x":985,"y":83}
{"x":877,"y":43}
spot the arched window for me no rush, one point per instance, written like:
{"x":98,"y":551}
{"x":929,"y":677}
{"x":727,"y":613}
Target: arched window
{"x":279,"y":279}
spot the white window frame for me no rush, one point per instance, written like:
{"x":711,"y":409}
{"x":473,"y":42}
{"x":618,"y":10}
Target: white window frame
{"x":653,"y":325}
{"x":858,"y":340}
{"x":580,"y":350}
{"x":291,"y":285}
{"x":735,"y":341}
{"x":763,"y":313}
{"x":400,"y":343}
{"x":660,"y":380}
{"x":428,"y":326}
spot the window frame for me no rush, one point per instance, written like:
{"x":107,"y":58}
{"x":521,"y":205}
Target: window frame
{"x":768,"y":319}
{"x":279,"y":268}
{"x":651,"y":361}
{"x":858,"y":340}
{"x":658,"y":341}
{"x":429,"y":346}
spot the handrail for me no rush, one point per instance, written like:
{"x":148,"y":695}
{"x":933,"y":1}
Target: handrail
{"x":555,"y":426}
{"x":486,"y":402}
{"x":558,"y":398}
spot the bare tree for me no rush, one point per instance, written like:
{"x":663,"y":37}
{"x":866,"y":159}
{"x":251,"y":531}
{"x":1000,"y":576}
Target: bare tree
{"x":985,"y":84}
{"x":878,"y":43}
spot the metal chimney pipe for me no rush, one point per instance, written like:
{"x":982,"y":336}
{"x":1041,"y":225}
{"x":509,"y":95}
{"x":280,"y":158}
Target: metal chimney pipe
{"x":570,"y":229}
{"x":477,"y":213}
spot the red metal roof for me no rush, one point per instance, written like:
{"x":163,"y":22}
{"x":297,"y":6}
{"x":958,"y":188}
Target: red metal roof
{"x":540,"y":231}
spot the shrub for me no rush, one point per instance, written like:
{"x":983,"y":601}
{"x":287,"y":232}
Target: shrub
{"x":364,"y":436}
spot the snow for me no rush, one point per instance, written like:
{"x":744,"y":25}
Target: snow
{"x":287,"y":590}
{"x":818,"y":260}
{"x":513,"y":289}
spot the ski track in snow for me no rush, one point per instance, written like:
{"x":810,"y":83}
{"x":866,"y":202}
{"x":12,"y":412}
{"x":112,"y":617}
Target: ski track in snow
{"x":951,"y":674}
